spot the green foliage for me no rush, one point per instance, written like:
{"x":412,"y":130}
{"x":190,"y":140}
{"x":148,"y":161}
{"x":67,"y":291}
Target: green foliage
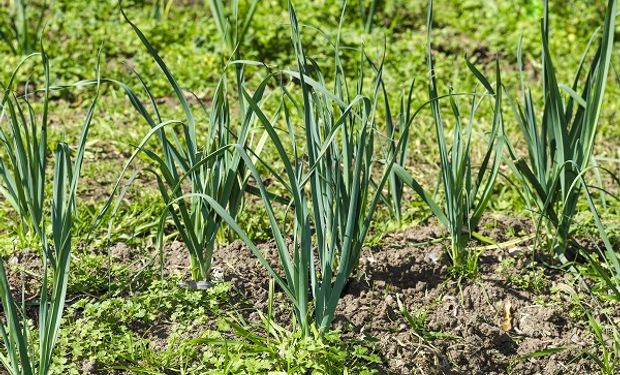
{"x":24,"y":160}
{"x":110,"y":332}
{"x":560,"y":145}
{"x":333,"y":195}
{"x":20,"y":29}
{"x":531,"y":278}
{"x":280,"y":349}
{"x":23,"y":170}
{"x":161,"y":8}
{"x":292,"y":352}
{"x":367,"y":13}
{"x":466,"y":192}
{"x":194,"y":332}
{"x":604,"y":262}
{"x":211,"y":169}
{"x":607,"y":350}
{"x":231,"y":27}
{"x":398,"y":152}
{"x":417,"y":323}
{"x":132,"y":322}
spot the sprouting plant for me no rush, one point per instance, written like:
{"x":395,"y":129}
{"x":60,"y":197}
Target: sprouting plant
{"x":466,"y":191}
{"x":418,"y":323}
{"x":531,"y":278}
{"x":233,"y":29}
{"x":332,"y":186}
{"x":607,"y":352}
{"x":396,"y":186}
{"x":161,"y":8}
{"x":21,"y":31}
{"x":367,"y":13}
{"x":560,"y":144}
{"x":23,"y":164}
{"x":185,"y":170}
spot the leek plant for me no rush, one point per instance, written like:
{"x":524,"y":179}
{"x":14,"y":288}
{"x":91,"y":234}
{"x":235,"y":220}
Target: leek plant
{"x":23,"y":164}
{"x":21,"y":31}
{"x":604,"y":267}
{"x":367,"y":13}
{"x":466,"y":192}
{"x":186,"y":170}
{"x":606,"y":350}
{"x":24,"y":161}
{"x":333,"y":193}
{"x":161,"y":8}
{"x":560,"y":144}
{"x":405,"y":117}
{"x":233,"y":30}
{"x":232,"y":33}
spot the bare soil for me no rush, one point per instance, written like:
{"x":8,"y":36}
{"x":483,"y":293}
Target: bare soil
{"x":471,"y":327}
{"x":475,"y":326}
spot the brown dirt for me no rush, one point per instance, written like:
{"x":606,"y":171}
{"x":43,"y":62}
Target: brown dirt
{"x":474,"y":335}
{"x":24,"y":269}
{"x":466,"y":330}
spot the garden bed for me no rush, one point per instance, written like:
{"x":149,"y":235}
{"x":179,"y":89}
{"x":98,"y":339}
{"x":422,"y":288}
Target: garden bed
{"x":513,"y":310}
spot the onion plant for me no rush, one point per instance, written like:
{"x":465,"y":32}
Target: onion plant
{"x":185,"y":170}
{"x":466,"y":191}
{"x":333,"y":193}
{"x":21,"y":31}
{"x":23,"y":163}
{"x":560,"y":144}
